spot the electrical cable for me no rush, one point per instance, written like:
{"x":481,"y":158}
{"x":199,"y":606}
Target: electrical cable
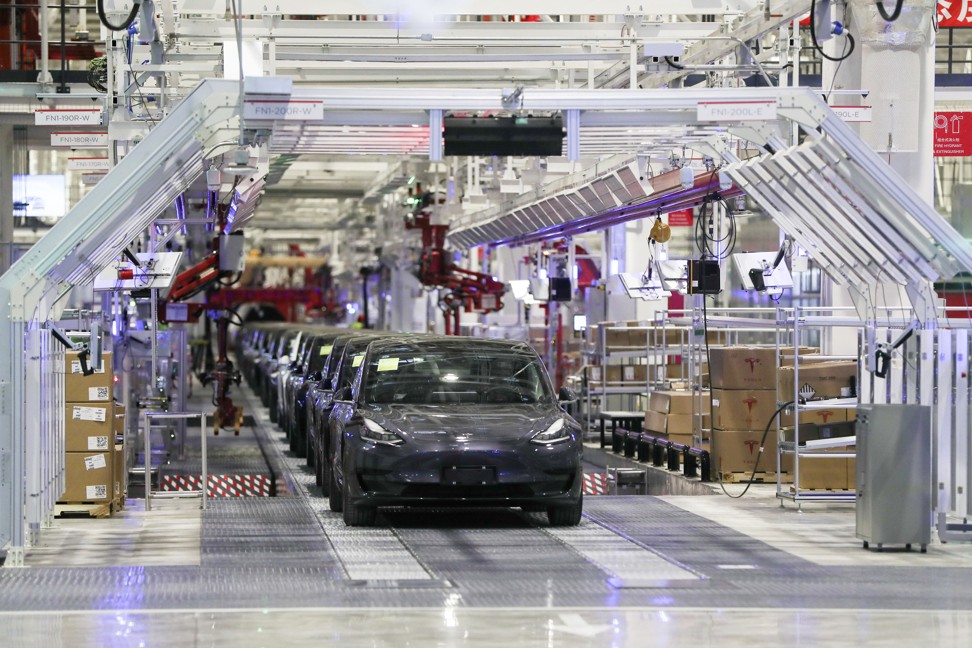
{"x":718,"y":248}
{"x":894,"y":14}
{"x":816,"y":43}
{"x":673,"y":64}
{"x":759,"y":454}
{"x":128,"y":21}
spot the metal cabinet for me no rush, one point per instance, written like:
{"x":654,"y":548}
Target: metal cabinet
{"x":894,"y":475}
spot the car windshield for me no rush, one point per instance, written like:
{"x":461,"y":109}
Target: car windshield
{"x":353,"y":356}
{"x":459,"y":376}
{"x":319,"y":351}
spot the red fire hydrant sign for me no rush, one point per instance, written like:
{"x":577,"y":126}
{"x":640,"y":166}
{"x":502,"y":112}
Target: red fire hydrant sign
{"x":954,"y":13}
{"x":953,"y":134}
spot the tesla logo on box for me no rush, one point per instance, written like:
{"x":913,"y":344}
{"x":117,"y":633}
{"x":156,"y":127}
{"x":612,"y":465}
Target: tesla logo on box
{"x":749,"y":403}
{"x":751,"y":444}
{"x":752,"y":363}
{"x":825,"y":415}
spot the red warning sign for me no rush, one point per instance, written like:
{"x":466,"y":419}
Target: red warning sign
{"x":680,"y":218}
{"x":955,"y":13}
{"x":953,"y":134}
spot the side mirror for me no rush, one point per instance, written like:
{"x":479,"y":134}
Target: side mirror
{"x":294,"y":366}
{"x":284,"y":360}
{"x":317,"y":376}
{"x":343,"y":394}
{"x":566,"y":395}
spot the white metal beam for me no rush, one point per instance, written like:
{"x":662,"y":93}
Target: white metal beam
{"x":419,"y":11}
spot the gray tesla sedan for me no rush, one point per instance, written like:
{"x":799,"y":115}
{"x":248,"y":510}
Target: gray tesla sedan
{"x":464,"y":421}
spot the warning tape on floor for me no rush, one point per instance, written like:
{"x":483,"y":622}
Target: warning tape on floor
{"x":595,"y":484}
{"x":220,"y":485}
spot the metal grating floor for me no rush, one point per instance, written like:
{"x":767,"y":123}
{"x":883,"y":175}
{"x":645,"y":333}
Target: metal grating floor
{"x":628,"y":551}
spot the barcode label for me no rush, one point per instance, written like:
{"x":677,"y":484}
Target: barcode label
{"x":94,"y":462}
{"x":98,"y":443}
{"x":89,"y":414}
{"x":98,"y":393}
{"x":99,"y":491}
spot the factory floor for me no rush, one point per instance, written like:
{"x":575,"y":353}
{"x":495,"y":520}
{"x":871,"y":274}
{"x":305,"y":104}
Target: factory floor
{"x":638,"y":571}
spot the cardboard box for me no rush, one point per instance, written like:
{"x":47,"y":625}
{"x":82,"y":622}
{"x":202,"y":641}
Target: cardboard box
{"x":684,"y":439}
{"x":676,"y":402}
{"x":816,"y":417}
{"x":742,"y":409}
{"x":634,"y":373}
{"x":89,"y":427}
{"x":119,"y":421}
{"x":827,"y":379}
{"x":656,"y":422}
{"x":824,"y":473}
{"x":119,"y":472}
{"x":613,"y":373}
{"x":593,"y":373}
{"x":615,"y":336}
{"x":736,"y":451}
{"x":89,"y":477}
{"x":743,"y":367}
{"x":79,"y":388}
{"x":682,"y":423}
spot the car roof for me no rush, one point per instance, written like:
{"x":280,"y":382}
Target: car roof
{"x":452,"y":343}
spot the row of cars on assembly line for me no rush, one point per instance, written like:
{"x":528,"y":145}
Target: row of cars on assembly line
{"x":392,"y":419}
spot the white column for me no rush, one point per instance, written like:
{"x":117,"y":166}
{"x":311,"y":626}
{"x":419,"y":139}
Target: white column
{"x":6,"y":197}
{"x":901,"y":130}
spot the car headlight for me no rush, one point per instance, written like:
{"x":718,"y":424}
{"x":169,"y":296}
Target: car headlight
{"x":373,"y":432}
{"x":556,"y":433}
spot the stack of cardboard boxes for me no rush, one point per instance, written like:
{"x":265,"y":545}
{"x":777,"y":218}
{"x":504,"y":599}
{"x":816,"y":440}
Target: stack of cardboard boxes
{"x":94,"y":461}
{"x":827,"y":380}
{"x":670,"y":415}
{"x":743,"y":401}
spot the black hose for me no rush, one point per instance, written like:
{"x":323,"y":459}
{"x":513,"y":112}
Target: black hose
{"x":759,"y":455}
{"x":128,"y":21}
{"x":672,"y":63}
{"x":894,"y":14}
{"x":816,"y":43}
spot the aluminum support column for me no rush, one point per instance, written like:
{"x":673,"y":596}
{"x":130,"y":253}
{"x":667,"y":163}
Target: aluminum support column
{"x":6,"y":197}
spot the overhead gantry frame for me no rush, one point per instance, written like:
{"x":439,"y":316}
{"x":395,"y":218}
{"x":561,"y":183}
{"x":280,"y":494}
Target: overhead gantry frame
{"x":163,"y":165}
{"x":101,"y":225}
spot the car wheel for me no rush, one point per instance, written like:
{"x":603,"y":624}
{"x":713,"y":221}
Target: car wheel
{"x":309,"y":450}
{"x":356,"y":515}
{"x":334,"y":499}
{"x":273,"y":410}
{"x":569,"y":515}
{"x":324,"y":471}
{"x":319,"y":473}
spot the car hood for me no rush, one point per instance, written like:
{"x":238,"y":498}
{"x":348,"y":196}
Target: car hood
{"x":465,"y":422}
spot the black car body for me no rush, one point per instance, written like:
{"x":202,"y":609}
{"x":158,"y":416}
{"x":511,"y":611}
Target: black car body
{"x":342,"y":371}
{"x":318,"y":353}
{"x":461,"y":421}
{"x":320,"y":401}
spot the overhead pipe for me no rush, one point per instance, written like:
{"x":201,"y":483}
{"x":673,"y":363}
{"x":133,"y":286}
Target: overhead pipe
{"x":45,"y":75}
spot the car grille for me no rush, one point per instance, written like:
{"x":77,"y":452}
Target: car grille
{"x":479,"y":491}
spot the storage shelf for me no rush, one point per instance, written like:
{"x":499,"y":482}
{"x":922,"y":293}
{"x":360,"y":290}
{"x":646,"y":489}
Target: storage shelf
{"x":828,"y":403}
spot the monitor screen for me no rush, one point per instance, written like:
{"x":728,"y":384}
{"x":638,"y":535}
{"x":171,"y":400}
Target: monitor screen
{"x":39,"y":196}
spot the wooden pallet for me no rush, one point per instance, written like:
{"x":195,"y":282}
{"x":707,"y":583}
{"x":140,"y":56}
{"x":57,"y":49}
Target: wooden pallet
{"x":89,"y":509}
{"x":762,"y":477}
